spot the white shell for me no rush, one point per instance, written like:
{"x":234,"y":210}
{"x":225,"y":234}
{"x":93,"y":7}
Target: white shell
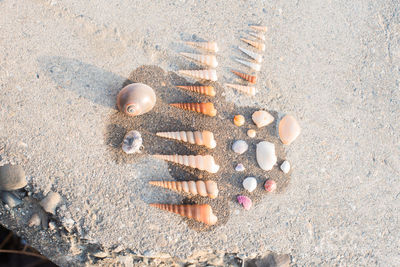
{"x":253,"y":55}
{"x":251,"y":65}
{"x":50,"y":202}
{"x":250,"y":184}
{"x":205,"y":138}
{"x":285,"y":166}
{"x":250,"y":90}
{"x":239,"y":167}
{"x":34,"y":220}
{"x":240,"y":146}
{"x":262,"y":118}
{"x":265,"y":154}
{"x":209,"y":74}
{"x":208,"y":60}
{"x":203,"y":163}
{"x":258,"y":35}
{"x":251,"y":133}
{"x":210,"y":46}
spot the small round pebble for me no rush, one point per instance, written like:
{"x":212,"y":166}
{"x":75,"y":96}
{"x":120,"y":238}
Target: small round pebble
{"x":285,"y":166}
{"x":34,"y":221}
{"x":250,"y":184}
{"x":240,"y":146}
{"x":239,"y":167}
{"x":251,"y":133}
{"x":270,"y":185}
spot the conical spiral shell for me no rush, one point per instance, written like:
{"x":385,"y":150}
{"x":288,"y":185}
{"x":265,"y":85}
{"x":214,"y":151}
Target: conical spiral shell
{"x":203,"y":163}
{"x":258,"y":35}
{"x":210,"y":74}
{"x":259,"y":28}
{"x":204,"y":108}
{"x":251,"y":65}
{"x":203,"y":188}
{"x":250,"y":90}
{"x":210,"y":46}
{"x":208,"y":60}
{"x":204,"y":138}
{"x":259,"y":46}
{"x":202,"y":213}
{"x":250,"y":78}
{"x":253,"y":55}
{"x":201,"y":89}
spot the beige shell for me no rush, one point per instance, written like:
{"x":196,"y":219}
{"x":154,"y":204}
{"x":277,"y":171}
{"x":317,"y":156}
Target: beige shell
{"x":201,"y":89}
{"x":209,"y":74}
{"x":289,"y":129}
{"x":136,"y":99}
{"x":250,"y":90}
{"x":208,"y":60}
{"x":251,"y":65}
{"x":203,"y":188}
{"x":259,"y":46}
{"x":262,"y":118}
{"x":199,"y":212}
{"x":209,"y":46}
{"x":259,"y":28}
{"x":204,"y":108}
{"x":253,"y":55}
{"x":258,"y":35}
{"x":203,"y":163}
{"x":250,"y":78}
{"x":204,"y":138}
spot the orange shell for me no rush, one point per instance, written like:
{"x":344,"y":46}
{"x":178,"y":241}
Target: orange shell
{"x":289,"y":129}
{"x":204,"y":108}
{"x":238,"y":120}
{"x":201,"y":89}
{"x":259,"y":28}
{"x":258,"y":45}
{"x":250,"y":78}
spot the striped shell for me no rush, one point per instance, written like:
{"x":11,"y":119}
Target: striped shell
{"x":208,"y":60}
{"x":209,"y":74}
{"x":201,"y":89}
{"x":250,"y":90}
{"x":209,"y":46}
{"x":258,"y":35}
{"x":204,"y":138}
{"x":203,"y":188}
{"x":251,"y":65}
{"x":259,"y":46}
{"x":204,"y":108}
{"x":250,"y":78}
{"x":203,"y":163}
{"x":259,"y":28}
{"x":253,"y":55}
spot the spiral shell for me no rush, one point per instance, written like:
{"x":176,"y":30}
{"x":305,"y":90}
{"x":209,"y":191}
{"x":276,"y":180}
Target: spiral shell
{"x":250,"y":78}
{"x":201,"y":89}
{"x":251,"y":65}
{"x":258,"y":35}
{"x":253,"y":55}
{"x":203,"y":188}
{"x":202,"y":213}
{"x":204,"y":108}
{"x":208,"y":60}
{"x":259,"y":46}
{"x":209,"y":74}
{"x":250,"y":90}
{"x":203,"y":163}
{"x":204,"y":138}
{"x":210,"y":46}
{"x":259,"y":28}
{"x":136,"y":99}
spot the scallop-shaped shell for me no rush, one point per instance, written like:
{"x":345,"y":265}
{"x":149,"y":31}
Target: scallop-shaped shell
{"x":208,"y":60}
{"x":245,"y":202}
{"x":210,"y":74}
{"x":265,"y":155}
{"x":209,"y":46}
{"x":258,"y":35}
{"x":262,"y":118}
{"x":251,"y":133}
{"x":12,"y":177}
{"x":289,"y":129}
{"x":250,"y":90}
{"x":238,"y":120}
{"x":201,"y":89}
{"x":203,"y":188}
{"x":253,"y":55}
{"x":251,"y":65}
{"x":204,"y":108}
{"x":259,"y":28}
{"x":203,"y":138}
{"x":202,"y":213}
{"x":250,"y":78}
{"x":136,"y":99}
{"x":203,"y":163}
{"x":258,"y":45}
{"x":270,"y":185}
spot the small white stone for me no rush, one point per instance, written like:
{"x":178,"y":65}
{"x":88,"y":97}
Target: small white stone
{"x":239,"y":167}
{"x":250,"y":184}
{"x":51,"y":202}
{"x":52,"y":226}
{"x":285,"y":166}
{"x":240,"y":146}
{"x":34,"y":221}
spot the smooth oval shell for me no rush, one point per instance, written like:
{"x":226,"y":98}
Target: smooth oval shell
{"x":265,"y":154}
{"x":250,"y":184}
{"x":240,"y":146}
{"x":132,"y":142}
{"x":289,"y":129}
{"x":136,"y":99}
{"x":12,"y":177}
{"x":262,"y":118}
{"x":285,"y":166}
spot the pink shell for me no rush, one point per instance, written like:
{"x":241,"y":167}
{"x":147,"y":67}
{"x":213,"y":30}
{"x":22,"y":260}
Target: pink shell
{"x":270,"y":186}
{"x":245,"y":202}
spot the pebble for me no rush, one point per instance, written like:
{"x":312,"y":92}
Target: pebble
{"x":270,"y":185}
{"x":12,"y":177}
{"x":10,"y":199}
{"x":239,"y":167}
{"x":52,"y":226}
{"x":50,"y":202}
{"x":240,"y":146}
{"x":251,"y":133}
{"x":250,"y":184}
{"x":132,"y":142}
{"x":34,"y":220}
{"x":285,"y":166}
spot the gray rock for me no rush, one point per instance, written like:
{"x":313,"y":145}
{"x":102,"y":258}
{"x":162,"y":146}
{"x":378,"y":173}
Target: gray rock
{"x":10,"y":199}
{"x":132,"y":142}
{"x":12,"y":177}
{"x":50,"y":202}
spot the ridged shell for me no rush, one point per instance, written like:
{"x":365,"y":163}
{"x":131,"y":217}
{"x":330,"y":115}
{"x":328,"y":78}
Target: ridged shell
{"x":208,"y":60}
{"x":250,"y":78}
{"x":12,"y":177}
{"x":203,"y":138}
{"x":258,"y":35}
{"x":250,"y":90}
{"x":245,"y":202}
{"x":259,"y":28}
{"x":203,"y":188}
{"x":204,"y":108}
{"x":238,"y":120}
{"x":262,"y":118}
{"x":253,"y":55}
{"x":136,"y":99}
{"x":210,"y":46}
{"x":289,"y":129}
{"x":201,"y":89}
{"x":265,"y":155}
{"x":203,"y":163}
{"x":259,"y":46}
{"x":202,"y":213}
{"x":251,"y":65}
{"x":210,"y":74}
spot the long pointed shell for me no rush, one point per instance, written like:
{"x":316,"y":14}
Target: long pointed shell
{"x":204,"y":138}
{"x":265,"y":155}
{"x":208,"y":60}
{"x":253,"y":55}
{"x":289,"y":129}
{"x":250,"y":90}
{"x":202,"y":213}
{"x":259,"y":46}
{"x":250,"y":78}
{"x":251,"y":65}
{"x":204,"y":108}
{"x":203,"y":188}
{"x":210,"y":74}
{"x":210,"y":46}
{"x":203,"y":163}
{"x":201,"y":89}
{"x":259,"y":28}
{"x":258,"y":35}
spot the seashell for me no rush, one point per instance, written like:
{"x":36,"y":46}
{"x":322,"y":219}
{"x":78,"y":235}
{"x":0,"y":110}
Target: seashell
{"x":205,"y":90}
{"x":208,"y":60}
{"x":12,"y":177}
{"x":238,"y":120}
{"x":202,"y":188}
{"x":240,"y":167}
{"x":208,"y":74}
{"x":262,"y":118}
{"x":203,"y":163}
{"x":250,"y":90}
{"x":203,"y":138}
{"x":10,"y":199}
{"x":250,"y":78}
{"x":253,"y":55}
{"x":251,"y":65}
{"x":270,"y":185}
{"x":289,"y":129}
{"x":251,"y":133}
{"x":204,"y":108}
{"x":240,"y":147}
{"x":210,"y":46}
{"x":132,"y":142}
{"x":250,"y":184}
{"x":136,"y":99}
{"x":199,"y":212}
{"x":259,"y":46}
{"x":50,"y":202}
{"x":259,"y":28}
{"x":258,"y":35}
{"x":285,"y":166}
{"x":265,"y":154}
{"x":245,"y":202}
{"x":34,"y":221}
